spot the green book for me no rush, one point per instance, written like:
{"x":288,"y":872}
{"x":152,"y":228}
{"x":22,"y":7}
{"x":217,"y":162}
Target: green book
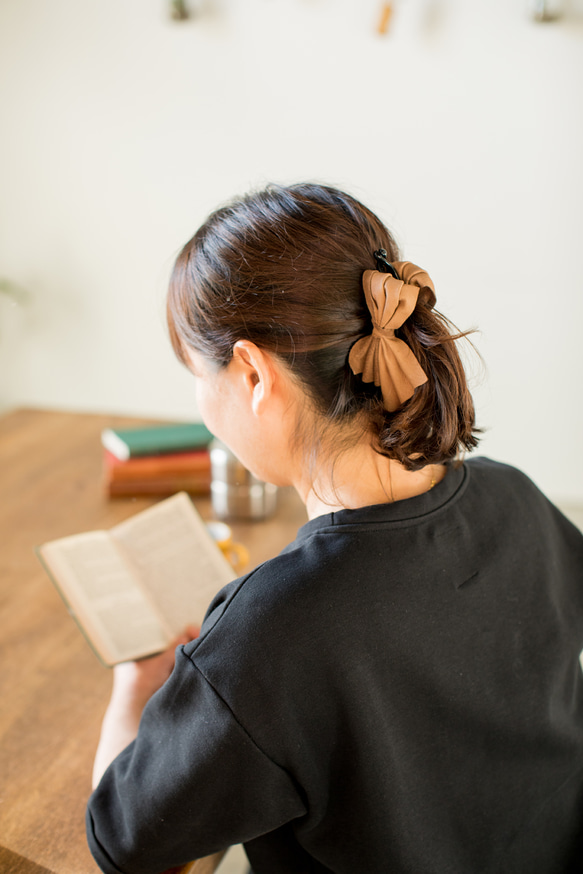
{"x":127,"y":443}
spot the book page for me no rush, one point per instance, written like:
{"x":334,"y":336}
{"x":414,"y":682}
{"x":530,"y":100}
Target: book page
{"x":104,"y":596}
{"x":178,"y":561}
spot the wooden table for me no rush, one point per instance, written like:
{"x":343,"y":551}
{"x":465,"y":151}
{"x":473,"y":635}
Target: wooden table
{"x":53,"y":691}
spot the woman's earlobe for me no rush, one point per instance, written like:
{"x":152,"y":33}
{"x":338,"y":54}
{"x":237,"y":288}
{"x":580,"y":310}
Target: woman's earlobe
{"x":261,"y":380}
{"x":258,"y":395}
{"x":257,"y":372}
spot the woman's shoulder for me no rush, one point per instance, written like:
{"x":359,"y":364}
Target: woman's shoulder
{"x":501,"y":478}
{"x":499,"y":475}
{"x":515,"y":497}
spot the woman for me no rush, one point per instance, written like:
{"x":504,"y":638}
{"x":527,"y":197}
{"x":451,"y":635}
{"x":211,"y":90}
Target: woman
{"x":400,"y":689}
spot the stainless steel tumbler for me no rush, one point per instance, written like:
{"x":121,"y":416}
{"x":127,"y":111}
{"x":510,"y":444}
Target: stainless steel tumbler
{"x":235,"y":492}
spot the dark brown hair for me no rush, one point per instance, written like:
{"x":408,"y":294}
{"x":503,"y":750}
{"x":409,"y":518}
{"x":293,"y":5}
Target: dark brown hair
{"x":283,"y":268}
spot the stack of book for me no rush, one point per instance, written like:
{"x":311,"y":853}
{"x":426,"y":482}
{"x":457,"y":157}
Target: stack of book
{"x":157,"y":460}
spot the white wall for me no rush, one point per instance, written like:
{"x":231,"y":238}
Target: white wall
{"x":463,"y":127}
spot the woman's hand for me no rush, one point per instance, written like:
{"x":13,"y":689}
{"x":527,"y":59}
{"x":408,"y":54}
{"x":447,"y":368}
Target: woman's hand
{"x":137,"y":681}
{"x":134,"y":683}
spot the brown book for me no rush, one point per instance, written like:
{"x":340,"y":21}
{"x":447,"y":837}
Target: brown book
{"x":157,"y":466}
{"x":129,"y":488}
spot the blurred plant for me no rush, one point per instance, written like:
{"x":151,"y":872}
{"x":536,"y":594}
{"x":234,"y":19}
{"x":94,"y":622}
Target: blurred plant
{"x":179,"y":10}
{"x":13,"y":290}
{"x":16,"y":294}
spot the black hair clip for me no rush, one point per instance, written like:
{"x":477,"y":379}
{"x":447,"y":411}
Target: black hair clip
{"x":383,"y":265}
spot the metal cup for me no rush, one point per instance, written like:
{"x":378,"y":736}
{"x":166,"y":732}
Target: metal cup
{"x":235,"y":492}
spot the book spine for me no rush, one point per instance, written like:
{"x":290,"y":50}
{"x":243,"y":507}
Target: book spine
{"x":156,"y":466}
{"x":156,"y":440}
{"x":159,"y":487}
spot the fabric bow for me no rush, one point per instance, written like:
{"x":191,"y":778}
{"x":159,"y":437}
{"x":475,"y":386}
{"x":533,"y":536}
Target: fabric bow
{"x":382,"y":357}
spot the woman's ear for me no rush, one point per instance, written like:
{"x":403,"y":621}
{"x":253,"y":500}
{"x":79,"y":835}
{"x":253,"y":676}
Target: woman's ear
{"x":256,"y":369}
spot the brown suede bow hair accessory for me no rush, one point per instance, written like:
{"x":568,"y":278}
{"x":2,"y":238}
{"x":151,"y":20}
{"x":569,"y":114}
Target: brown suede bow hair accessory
{"x":382,"y":357}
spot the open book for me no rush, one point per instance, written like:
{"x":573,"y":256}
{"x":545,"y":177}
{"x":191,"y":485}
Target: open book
{"x":134,"y":588}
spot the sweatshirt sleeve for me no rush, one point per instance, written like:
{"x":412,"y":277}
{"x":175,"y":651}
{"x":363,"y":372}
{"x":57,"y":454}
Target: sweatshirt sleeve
{"x":193,"y":782}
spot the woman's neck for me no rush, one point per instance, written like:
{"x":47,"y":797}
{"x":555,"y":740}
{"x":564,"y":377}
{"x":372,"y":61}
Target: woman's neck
{"x":360,"y":477}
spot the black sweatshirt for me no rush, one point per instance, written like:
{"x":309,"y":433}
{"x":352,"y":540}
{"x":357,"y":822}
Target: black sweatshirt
{"x":398,"y":691}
